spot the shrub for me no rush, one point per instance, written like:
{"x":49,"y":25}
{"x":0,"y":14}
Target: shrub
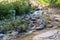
{"x":11,"y":24}
{"x":4,"y":9}
{"x":21,"y":7}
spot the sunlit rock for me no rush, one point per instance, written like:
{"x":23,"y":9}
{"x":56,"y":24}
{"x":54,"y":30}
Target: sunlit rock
{"x":50,"y":35}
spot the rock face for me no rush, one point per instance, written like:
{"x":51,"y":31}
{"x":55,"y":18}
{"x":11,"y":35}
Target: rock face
{"x":50,"y":35}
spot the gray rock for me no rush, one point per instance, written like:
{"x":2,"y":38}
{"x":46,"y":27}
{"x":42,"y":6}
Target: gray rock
{"x":14,"y":33}
{"x":51,"y":25}
{"x":6,"y":38}
{"x":43,"y":25}
{"x":55,"y":18}
{"x":55,"y":27}
{"x":33,"y":19}
{"x":58,"y":19}
{"x":39,"y":25}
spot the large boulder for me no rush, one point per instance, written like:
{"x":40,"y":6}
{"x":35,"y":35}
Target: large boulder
{"x":50,"y":35}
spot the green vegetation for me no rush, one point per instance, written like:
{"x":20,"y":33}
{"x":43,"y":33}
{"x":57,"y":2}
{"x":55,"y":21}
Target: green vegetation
{"x":4,"y":9}
{"x":58,"y":2}
{"x":21,"y":7}
{"x":50,"y":1}
{"x":11,"y":24}
{"x":47,"y":2}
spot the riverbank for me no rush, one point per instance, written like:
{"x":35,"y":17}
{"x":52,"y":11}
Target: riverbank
{"x":29,"y":37}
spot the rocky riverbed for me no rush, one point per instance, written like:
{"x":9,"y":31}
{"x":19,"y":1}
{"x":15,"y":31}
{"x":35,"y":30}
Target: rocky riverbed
{"x":40,"y":21}
{"x":31,"y":36}
{"x":52,"y":24}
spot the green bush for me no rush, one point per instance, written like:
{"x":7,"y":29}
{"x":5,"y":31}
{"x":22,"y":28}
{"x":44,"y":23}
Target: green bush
{"x":4,"y":9}
{"x":12,"y":23}
{"x":21,"y":7}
